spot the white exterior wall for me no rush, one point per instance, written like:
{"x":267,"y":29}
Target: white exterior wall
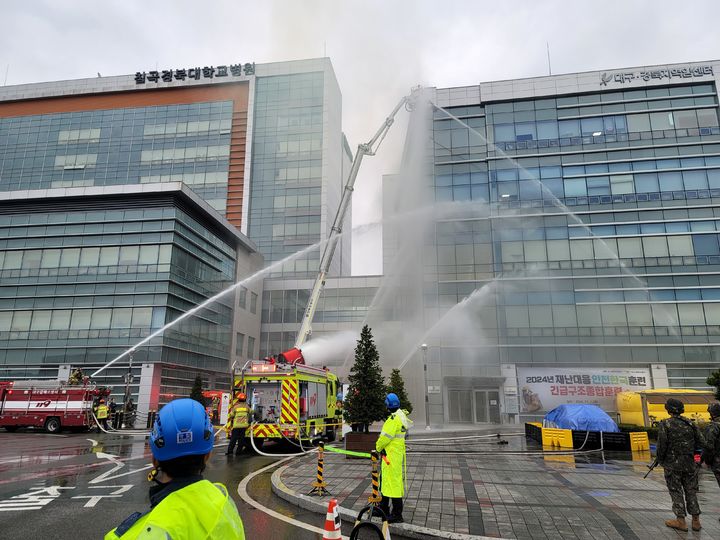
{"x":573,"y":83}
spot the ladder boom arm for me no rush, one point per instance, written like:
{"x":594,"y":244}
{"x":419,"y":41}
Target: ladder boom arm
{"x":367,"y":149}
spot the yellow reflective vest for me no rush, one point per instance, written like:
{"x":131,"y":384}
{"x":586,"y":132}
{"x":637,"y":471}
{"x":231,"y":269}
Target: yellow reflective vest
{"x":202,"y":510}
{"x":102,"y":411}
{"x":392,"y":440}
{"x":239,"y":417}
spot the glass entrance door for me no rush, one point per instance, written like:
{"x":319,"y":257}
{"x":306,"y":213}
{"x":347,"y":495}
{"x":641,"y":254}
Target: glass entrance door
{"x":459,"y":406}
{"x":487,"y":406}
{"x":481,"y":406}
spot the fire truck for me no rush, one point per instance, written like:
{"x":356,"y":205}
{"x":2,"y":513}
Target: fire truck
{"x":52,"y":405}
{"x":290,"y":399}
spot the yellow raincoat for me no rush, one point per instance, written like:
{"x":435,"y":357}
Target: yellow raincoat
{"x":392,"y":440}
{"x":202,"y":510}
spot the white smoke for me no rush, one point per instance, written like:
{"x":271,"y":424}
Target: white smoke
{"x":330,"y":349}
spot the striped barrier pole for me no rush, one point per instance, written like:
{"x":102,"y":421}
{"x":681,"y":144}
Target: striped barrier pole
{"x":375,"y":475}
{"x":319,"y":484}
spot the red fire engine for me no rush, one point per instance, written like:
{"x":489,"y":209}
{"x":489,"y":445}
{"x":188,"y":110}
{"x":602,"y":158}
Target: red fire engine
{"x":52,"y":405}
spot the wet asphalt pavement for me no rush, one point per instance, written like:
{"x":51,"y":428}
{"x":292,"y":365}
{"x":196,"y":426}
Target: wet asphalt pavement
{"x":81,"y":485}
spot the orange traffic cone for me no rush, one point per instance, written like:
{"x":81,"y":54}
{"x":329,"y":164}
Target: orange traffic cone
{"x":332,"y":522}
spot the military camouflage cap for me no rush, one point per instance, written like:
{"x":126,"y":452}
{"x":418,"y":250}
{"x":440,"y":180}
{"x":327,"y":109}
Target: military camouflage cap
{"x":674,"y":406}
{"x":714,"y":409}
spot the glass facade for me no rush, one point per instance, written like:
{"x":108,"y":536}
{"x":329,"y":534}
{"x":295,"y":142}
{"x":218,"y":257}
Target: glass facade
{"x":83,"y":280}
{"x":287,"y":165}
{"x":655,"y":146}
{"x":82,"y":283}
{"x":599,"y":229}
{"x":340,"y":305}
{"x":186,"y":142}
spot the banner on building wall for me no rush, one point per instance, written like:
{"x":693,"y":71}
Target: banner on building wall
{"x":543,"y":389}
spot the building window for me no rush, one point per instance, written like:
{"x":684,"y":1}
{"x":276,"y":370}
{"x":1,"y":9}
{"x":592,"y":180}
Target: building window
{"x":251,"y":347}
{"x":621,"y":184}
{"x":253,"y":303}
{"x":242,"y":297}
{"x":240,"y":341}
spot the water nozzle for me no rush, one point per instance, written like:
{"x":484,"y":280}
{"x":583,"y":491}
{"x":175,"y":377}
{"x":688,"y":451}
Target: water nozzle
{"x":411,"y":100}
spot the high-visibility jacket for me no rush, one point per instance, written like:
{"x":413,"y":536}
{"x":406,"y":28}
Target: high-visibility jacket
{"x":392,"y":440}
{"x":102,"y":411}
{"x":239,"y":416}
{"x":201,"y":511}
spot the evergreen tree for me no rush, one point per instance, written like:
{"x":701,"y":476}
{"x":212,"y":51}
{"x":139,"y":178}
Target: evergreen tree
{"x":714,"y":380}
{"x":196,"y":391}
{"x":397,"y":386}
{"x":365,"y":400}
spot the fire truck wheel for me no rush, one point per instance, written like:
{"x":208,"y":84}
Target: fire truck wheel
{"x":11,"y":429}
{"x":330,"y":434}
{"x":52,"y":425}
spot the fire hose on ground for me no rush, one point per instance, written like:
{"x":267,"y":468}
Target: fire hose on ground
{"x":111,"y":431}
{"x":260,"y":452}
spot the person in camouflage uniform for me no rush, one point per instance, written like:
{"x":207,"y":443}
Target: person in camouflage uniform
{"x":678,"y":438}
{"x":711,"y":453}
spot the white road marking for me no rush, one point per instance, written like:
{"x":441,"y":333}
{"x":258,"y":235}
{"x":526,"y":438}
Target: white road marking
{"x":111,"y":457}
{"x":94,"y":499}
{"x":242,"y":492}
{"x":105,"y":477}
{"x":33,"y":500}
{"x":108,"y":475}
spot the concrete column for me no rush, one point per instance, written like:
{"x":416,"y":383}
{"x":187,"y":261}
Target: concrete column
{"x":412,"y":374}
{"x":659,"y":376}
{"x":509,"y":391}
{"x":149,"y":389}
{"x":63,"y":372}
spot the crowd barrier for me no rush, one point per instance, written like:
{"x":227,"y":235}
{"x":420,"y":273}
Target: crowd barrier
{"x":587,"y":440}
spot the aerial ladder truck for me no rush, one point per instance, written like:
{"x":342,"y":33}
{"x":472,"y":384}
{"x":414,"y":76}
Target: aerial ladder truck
{"x":290,"y":399}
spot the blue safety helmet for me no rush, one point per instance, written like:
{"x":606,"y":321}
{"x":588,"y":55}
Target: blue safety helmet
{"x":392,"y":401}
{"x":182,"y":428}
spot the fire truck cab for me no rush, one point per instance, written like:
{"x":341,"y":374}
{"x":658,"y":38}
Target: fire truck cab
{"x":52,"y":405}
{"x":290,"y":399}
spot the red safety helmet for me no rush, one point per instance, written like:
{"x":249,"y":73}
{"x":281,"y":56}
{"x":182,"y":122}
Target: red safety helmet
{"x":241,"y":396}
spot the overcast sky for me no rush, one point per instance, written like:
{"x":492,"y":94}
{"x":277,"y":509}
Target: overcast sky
{"x":379,"y":49}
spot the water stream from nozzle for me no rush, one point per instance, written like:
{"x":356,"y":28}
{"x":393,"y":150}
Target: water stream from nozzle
{"x":468,"y":302}
{"x":191,"y":312}
{"x":564,"y":209}
{"x":546,"y":191}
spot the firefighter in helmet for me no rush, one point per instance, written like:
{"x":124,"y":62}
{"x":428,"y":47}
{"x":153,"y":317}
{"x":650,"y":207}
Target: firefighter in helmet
{"x":101,"y":413}
{"x":76,"y":377}
{"x":391,"y":444}
{"x":183,"y":504}
{"x":678,"y":438}
{"x":238,"y":421}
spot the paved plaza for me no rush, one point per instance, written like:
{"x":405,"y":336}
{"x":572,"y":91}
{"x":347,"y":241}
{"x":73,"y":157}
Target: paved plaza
{"x":492,"y":492}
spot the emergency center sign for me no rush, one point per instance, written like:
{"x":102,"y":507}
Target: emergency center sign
{"x":543,"y":389}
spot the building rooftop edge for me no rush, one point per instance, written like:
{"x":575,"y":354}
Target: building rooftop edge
{"x":572,"y":73}
{"x":133,"y":189}
{"x":126,"y":82}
